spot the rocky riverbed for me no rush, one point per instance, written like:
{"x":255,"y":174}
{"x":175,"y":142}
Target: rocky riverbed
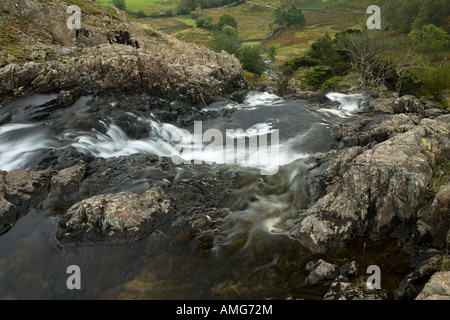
{"x":85,"y":131}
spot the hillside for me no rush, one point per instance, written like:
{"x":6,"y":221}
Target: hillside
{"x":39,"y":52}
{"x":253,"y":18}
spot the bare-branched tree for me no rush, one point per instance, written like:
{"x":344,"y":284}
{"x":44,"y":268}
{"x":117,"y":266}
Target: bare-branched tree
{"x":369,"y":52}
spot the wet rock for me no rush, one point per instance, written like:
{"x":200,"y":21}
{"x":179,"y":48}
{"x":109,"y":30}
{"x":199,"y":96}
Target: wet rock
{"x":349,"y":270}
{"x":24,"y":188}
{"x":367,"y":101}
{"x":121,"y":217}
{"x":239,"y":96}
{"x":63,"y":100}
{"x":437,"y":288}
{"x":59,"y":159}
{"x":309,"y":96}
{"x":322,"y":272}
{"x":5,"y":118}
{"x":19,"y":191}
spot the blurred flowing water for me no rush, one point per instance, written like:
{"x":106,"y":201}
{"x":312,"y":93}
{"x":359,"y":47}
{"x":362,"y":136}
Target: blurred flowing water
{"x":252,"y":258}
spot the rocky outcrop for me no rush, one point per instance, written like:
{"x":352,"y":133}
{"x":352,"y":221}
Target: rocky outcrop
{"x":368,"y":132}
{"x":407,"y":104}
{"x":382,"y":191}
{"x":343,"y":283}
{"x":110,"y":217}
{"x":437,"y":288}
{"x":160,"y":65}
{"x":121,"y":199}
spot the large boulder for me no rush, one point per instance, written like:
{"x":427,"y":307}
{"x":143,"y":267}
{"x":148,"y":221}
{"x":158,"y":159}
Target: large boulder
{"x":381,"y":193}
{"x":122,"y":217}
{"x":437,"y":288}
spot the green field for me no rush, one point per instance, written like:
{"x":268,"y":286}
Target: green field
{"x":149,"y":7}
{"x":253,"y":20}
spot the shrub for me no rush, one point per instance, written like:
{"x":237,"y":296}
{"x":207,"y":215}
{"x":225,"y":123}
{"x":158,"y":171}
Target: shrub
{"x":252,"y":60}
{"x":222,"y":41}
{"x":293,"y":64}
{"x":436,"y":81}
{"x":226,"y":20}
{"x":331,"y":84}
{"x":317,"y":76}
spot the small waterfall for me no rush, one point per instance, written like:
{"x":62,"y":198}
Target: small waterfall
{"x":349,"y":102}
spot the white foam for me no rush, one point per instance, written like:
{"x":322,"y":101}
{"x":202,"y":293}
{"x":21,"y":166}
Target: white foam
{"x":254,"y":99}
{"x":349,"y":102}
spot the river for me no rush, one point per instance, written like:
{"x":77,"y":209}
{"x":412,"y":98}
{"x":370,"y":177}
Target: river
{"x":253,"y":257}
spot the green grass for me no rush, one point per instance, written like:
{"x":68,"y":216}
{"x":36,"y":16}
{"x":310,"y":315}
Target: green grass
{"x":253,"y":21}
{"x":149,"y":7}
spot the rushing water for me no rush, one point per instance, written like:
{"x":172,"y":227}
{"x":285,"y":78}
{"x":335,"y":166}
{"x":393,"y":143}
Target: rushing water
{"x":252,"y":258}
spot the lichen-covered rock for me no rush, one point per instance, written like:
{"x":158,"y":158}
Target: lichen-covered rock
{"x":434,"y":220}
{"x":382,"y":191}
{"x":437,"y":288}
{"x":368,"y":132}
{"x":344,"y":290}
{"x":124,"y":217}
{"x":67,"y":180}
{"x":322,"y":271}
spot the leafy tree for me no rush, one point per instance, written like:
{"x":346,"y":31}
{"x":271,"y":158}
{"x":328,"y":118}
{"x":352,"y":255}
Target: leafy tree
{"x":226,"y":20}
{"x":120,"y":4}
{"x":229,"y":31}
{"x":436,"y":80}
{"x":249,"y":56}
{"x":272,"y":51}
{"x":252,"y":60}
{"x":140,"y":14}
{"x":431,"y":12}
{"x":288,"y":16}
{"x":290,"y":66}
{"x":413,"y":14}
{"x":331,"y":84}
{"x":316,"y":77}
{"x":188,"y":4}
{"x":205,"y":22}
{"x":431,"y":41}
{"x":229,"y":43}
{"x":328,"y":53}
